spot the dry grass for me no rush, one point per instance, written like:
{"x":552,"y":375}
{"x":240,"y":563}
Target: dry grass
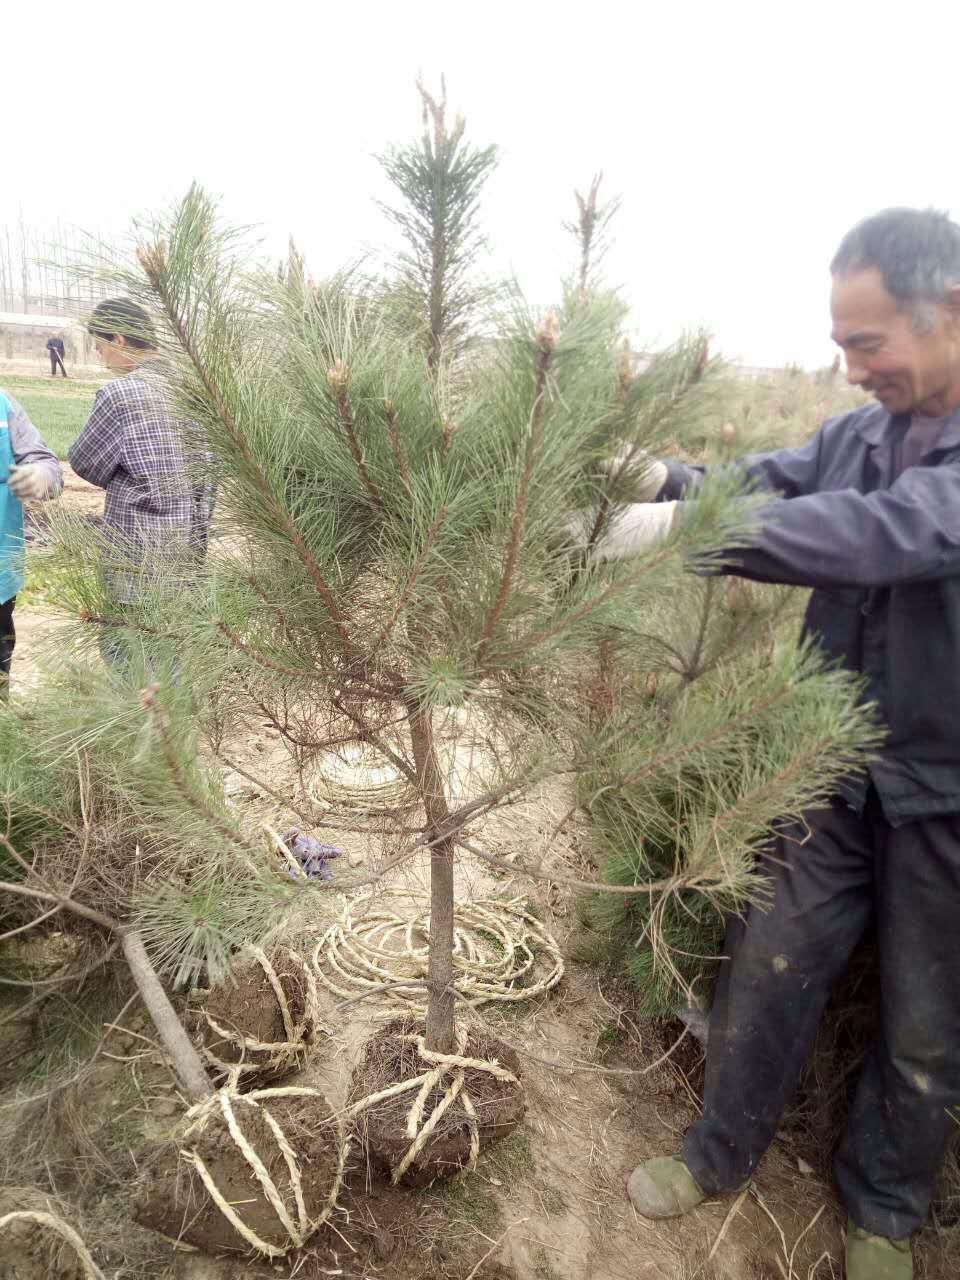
{"x":773,"y":411}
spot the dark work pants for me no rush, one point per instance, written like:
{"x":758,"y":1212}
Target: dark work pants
{"x":829,"y":878}
{"x":8,"y":635}
{"x":55,"y":360}
{"x":8,"y":638}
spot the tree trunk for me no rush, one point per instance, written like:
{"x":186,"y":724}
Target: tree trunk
{"x":186,"y":1061}
{"x":437,"y":279}
{"x":441,"y":998}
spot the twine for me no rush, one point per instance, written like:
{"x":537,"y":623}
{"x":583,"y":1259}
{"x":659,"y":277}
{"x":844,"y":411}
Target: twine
{"x":496,"y":944}
{"x":299,"y":1229}
{"x":282,"y":1054}
{"x":418,"y":1129}
{"x":90,"y":1268}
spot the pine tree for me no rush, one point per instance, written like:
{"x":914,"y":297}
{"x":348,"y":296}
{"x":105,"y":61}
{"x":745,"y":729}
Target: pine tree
{"x":396,"y":569}
{"x":716,"y":638}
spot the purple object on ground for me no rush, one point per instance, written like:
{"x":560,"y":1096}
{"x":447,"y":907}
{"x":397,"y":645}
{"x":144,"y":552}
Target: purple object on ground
{"x":310,"y":853}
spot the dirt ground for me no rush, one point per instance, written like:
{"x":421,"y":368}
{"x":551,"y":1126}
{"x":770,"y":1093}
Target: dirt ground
{"x":605,"y":1091}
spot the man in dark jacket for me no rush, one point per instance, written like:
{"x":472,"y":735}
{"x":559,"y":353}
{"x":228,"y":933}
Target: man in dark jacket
{"x":56,"y":351}
{"x":869,"y":517}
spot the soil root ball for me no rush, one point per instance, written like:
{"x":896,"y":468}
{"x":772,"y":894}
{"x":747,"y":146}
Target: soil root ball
{"x":47,"y":1228}
{"x":254,"y":1172}
{"x":423,"y":1115}
{"x":256,"y":1027}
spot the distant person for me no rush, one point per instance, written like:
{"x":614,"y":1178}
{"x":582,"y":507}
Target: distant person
{"x":133,"y":447}
{"x":56,"y":351}
{"x":28,"y":472}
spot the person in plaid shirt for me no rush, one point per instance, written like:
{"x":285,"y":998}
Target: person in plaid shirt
{"x":134,"y":447}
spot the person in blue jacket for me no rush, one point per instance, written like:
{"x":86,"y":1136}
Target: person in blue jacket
{"x":868,"y":516}
{"x":28,"y":472}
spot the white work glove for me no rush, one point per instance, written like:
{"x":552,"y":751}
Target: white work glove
{"x":648,"y":475}
{"x":29,"y":482}
{"x":638,"y":528}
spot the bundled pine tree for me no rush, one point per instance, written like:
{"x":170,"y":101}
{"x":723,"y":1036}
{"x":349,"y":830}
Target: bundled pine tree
{"x":705,"y":657}
{"x":396,"y":574}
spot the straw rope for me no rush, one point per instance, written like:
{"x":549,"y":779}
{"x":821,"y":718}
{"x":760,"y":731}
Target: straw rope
{"x":225,"y":1104}
{"x":360,"y":778}
{"x":284,"y":1054}
{"x":419,"y":1130}
{"x":497,"y":944}
{"x":63,"y":1229}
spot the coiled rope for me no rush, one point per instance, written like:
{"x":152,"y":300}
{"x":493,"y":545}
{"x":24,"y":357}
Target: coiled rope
{"x":497,"y":946}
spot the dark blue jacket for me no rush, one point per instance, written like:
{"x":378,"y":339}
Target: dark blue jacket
{"x":882,"y":554}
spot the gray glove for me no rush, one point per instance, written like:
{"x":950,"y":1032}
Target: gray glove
{"x":648,"y":475}
{"x":638,"y":528}
{"x":29,"y":482}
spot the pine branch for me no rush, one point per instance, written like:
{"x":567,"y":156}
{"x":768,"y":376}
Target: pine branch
{"x":366,"y":734}
{"x":802,"y":766}
{"x":546,"y":343}
{"x":148,"y":697}
{"x":659,"y":642}
{"x":414,"y":575}
{"x":439,"y":180}
{"x":68,"y":904}
{"x":531,"y":642}
{"x":449,"y":431}
{"x":669,"y":885}
{"x":438,"y":240}
{"x":125,"y":624}
{"x":308,"y":820}
{"x":688,"y":749}
{"x":31,"y":924}
{"x":391,"y":414}
{"x":337,"y":379}
{"x":268,"y":664}
{"x":153,"y":262}
{"x":626,"y":380}
{"x":592,"y":221}
{"x":692,"y":668}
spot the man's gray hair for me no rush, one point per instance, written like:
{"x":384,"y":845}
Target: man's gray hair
{"x":916,"y":251}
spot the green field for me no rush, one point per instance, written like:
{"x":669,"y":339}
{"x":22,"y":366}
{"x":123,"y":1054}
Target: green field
{"x":58,"y":409}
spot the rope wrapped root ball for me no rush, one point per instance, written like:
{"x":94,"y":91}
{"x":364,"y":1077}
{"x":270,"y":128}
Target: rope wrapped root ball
{"x":257,"y":1026}
{"x":54,"y":1227}
{"x":255,"y":1172}
{"x":423,"y":1115}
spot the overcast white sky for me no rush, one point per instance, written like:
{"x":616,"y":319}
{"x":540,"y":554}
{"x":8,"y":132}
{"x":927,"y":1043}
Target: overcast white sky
{"x":744,"y":138}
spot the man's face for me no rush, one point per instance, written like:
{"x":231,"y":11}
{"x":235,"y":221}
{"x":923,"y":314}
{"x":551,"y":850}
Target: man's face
{"x":906,"y":369}
{"x":112,"y":352}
